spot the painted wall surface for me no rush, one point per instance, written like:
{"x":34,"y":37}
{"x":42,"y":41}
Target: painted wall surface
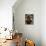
{"x":29,"y":31}
{"x":43,"y":22}
{"x":6,"y":13}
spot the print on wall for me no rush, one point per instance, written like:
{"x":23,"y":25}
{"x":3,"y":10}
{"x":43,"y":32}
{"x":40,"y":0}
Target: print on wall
{"x":29,"y":19}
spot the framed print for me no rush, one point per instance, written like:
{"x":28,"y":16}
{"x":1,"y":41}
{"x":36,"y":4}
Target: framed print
{"x":29,"y":18}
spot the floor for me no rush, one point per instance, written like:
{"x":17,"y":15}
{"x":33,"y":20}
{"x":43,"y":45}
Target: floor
{"x":12,"y":42}
{"x":9,"y":43}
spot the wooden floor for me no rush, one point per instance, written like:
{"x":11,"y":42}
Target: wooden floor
{"x":9,"y":43}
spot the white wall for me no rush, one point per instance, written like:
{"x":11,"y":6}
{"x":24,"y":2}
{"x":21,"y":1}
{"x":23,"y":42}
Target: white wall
{"x":6,"y":13}
{"x":30,"y":31}
{"x":43,"y":22}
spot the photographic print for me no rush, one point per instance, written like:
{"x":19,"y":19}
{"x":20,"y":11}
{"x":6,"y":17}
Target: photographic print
{"x":29,"y":18}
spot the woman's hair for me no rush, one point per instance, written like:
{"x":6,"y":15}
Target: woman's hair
{"x":34,"y":44}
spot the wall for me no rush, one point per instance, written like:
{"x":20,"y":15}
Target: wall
{"x":29,"y":31}
{"x":6,"y":13}
{"x":43,"y":22}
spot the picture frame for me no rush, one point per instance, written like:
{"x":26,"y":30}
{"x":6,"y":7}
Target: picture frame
{"x":29,"y":19}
